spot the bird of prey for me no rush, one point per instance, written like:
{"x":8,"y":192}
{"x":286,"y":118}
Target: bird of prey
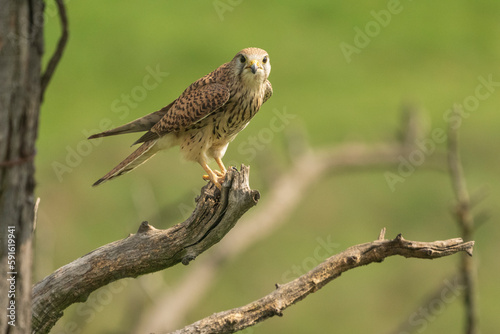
{"x":205,"y":118}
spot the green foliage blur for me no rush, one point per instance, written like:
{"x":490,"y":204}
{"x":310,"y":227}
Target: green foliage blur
{"x":342,"y":71}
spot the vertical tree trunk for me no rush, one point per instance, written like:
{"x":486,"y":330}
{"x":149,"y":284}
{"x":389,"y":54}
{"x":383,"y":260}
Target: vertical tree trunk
{"x":21,"y":48}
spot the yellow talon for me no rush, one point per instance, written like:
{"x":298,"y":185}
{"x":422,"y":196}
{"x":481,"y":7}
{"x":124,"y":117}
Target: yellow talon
{"x":214,"y":175}
{"x":218,"y":181}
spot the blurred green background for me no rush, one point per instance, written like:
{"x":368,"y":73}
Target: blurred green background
{"x":430,"y":55}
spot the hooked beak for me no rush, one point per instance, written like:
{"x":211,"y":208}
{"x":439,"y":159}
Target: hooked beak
{"x":254,"y":66}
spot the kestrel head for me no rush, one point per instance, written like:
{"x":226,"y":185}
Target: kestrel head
{"x":252,"y":65}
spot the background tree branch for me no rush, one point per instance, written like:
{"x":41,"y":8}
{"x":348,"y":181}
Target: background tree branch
{"x":61,"y":45}
{"x":147,"y":251}
{"x":466,"y":274}
{"x":290,"y":293}
{"x":465,"y":220}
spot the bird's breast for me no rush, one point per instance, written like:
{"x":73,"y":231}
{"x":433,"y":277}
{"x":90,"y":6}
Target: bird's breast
{"x":218,"y":129}
{"x":235,"y":115}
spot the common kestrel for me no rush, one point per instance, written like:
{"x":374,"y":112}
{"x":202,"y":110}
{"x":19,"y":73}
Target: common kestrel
{"x":205,"y":118}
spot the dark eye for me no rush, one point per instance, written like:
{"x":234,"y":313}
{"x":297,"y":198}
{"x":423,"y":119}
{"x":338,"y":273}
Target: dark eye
{"x":264,"y":60}
{"x":243,"y":59}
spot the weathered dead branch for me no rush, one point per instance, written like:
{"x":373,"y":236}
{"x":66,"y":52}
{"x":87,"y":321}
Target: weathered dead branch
{"x":147,"y":251}
{"x":290,"y":293}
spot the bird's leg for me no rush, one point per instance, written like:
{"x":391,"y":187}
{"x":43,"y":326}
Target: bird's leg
{"x":212,"y":176}
{"x":218,"y":173}
{"x":222,"y":167}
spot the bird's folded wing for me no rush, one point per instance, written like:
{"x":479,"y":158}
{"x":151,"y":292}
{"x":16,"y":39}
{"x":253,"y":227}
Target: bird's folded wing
{"x":269,"y":91}
{"x":191,"y":107}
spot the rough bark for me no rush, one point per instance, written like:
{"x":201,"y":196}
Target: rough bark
{"x":147,"y":251}
{"x":21,"y":48}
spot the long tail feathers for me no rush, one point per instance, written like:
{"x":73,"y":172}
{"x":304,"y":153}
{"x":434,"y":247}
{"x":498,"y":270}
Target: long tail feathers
{"x":138,"y":157}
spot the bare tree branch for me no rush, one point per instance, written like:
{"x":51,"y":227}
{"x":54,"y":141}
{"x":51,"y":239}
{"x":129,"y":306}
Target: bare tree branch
{"x":463,"y":214}
{"x":61,"y":44}
{"x":290,"y":293}
{"x":147,"y":251}
{"x":465,"y":221}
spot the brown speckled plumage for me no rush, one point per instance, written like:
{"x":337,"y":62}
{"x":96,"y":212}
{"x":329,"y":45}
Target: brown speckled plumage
{"x":205,"y":117}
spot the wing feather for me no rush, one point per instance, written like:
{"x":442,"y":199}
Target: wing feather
{"x":269,"y":91}
{"x":191,"y":107}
